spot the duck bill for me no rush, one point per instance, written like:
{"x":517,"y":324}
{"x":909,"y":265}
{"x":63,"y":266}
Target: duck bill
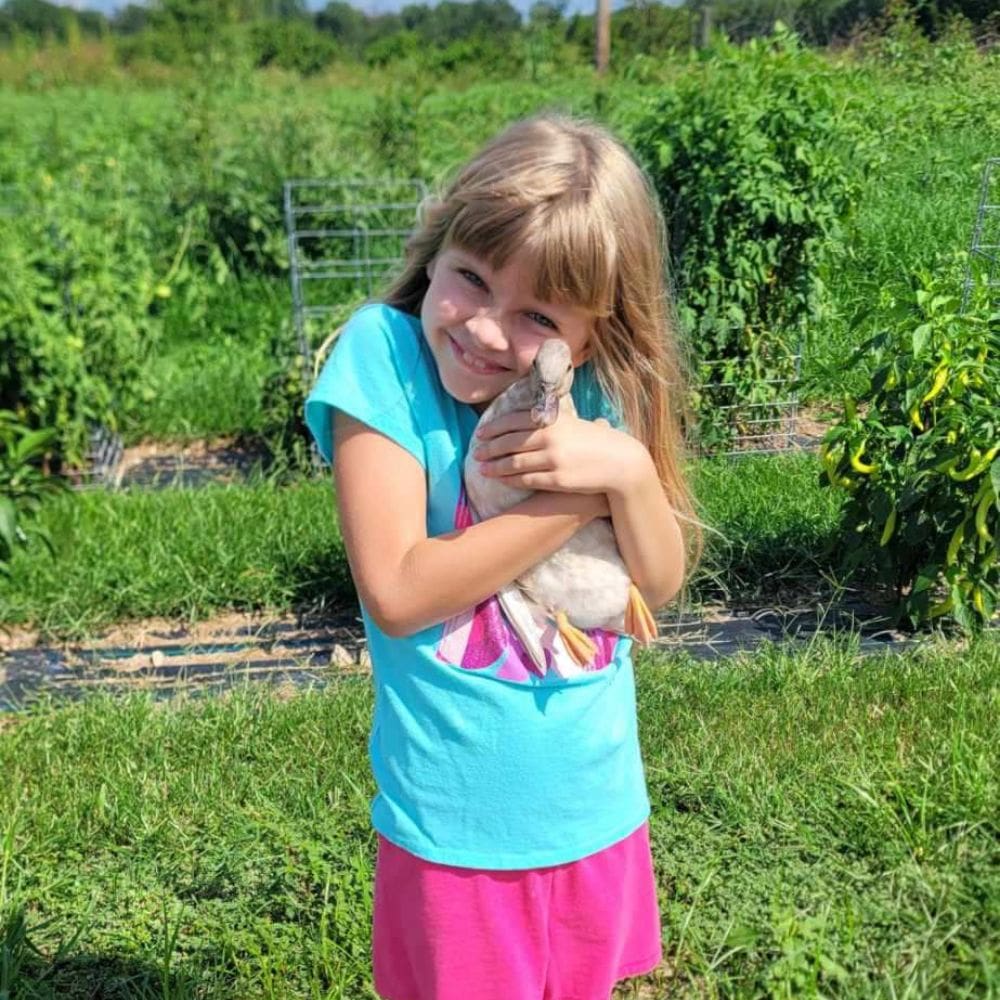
{"x":546,"y":409}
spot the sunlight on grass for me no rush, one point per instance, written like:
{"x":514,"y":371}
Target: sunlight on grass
{"x":821,"y":824}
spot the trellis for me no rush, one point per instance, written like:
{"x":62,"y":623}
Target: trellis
{"x":983,"y":265}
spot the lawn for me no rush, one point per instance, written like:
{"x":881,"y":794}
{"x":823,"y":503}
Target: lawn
{"x":823,"y":825}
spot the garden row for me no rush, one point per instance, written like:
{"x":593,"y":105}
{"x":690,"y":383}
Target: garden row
{"x":127,"y":229}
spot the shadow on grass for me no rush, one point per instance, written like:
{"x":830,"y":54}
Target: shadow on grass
{"x":325,"y":581}
{"x":27,"y":972}
{"x":103,"y":977}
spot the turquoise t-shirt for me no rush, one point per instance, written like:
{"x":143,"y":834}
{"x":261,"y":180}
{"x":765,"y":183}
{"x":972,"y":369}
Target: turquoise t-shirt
{"x":480,"y":761}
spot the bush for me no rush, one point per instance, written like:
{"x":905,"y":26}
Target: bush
{"x":22,"y":486}
{"x":291,"y":44}
{"x":77,"y":311}
{"x":748,"y":158}
{"x":921,"y":461}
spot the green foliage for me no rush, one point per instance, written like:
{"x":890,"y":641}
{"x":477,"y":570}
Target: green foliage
{"x":920,"y":458}
{"x":292,"y":45}
{"x":284,"y":431}
{"x":77,"y":310}
{"x":23,"y":486}
{"x":225,"y":184}
{"x":748,"y":154}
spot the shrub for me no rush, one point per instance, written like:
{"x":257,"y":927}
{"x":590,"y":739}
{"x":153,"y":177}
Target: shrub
{"x":22,"y":486}
{"x":748,"y":157}
{"x":920,"y":456}
{"x":291,"y":44}
{"x":77,"y":312}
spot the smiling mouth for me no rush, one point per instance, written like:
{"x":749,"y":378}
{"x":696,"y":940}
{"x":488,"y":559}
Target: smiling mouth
{"x":471,"y":362}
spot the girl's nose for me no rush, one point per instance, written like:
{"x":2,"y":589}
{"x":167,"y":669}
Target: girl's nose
{"x":488,"y":330}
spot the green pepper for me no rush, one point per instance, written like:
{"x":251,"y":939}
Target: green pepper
{"x":856,"y":464}
{"x":978,"y":463}
{"x":981,"y":511}
{"x":890,"y":527}
{"x":955,"y":544}
{"x":940,"y":609}
{"x":940,"y":377}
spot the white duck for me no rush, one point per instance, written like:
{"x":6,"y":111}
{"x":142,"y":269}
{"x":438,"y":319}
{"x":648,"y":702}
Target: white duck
{"x":584,"y":584}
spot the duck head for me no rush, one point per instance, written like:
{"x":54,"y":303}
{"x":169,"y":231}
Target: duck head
{"x":551,"y":378}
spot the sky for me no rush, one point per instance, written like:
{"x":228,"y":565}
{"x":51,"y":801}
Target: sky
{"x":369,"y":6}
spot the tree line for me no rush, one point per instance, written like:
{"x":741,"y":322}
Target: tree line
{"x":287,"y":33}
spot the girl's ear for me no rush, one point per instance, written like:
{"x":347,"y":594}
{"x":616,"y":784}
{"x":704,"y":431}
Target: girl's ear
{"x":431,"y":264}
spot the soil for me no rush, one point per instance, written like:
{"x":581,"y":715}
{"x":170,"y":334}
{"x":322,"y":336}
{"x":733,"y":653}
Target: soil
{"x":226,"y":459}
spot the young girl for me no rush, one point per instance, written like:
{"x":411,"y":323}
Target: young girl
{"x":513,"y":850}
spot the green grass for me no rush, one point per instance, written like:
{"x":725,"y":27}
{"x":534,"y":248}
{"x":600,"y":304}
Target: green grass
{"x":822,"y":826}
{"x":188,"y":553}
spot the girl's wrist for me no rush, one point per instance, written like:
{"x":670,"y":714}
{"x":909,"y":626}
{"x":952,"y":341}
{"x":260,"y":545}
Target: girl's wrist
{"x":588,"y":506}
{"x":634,"y":469}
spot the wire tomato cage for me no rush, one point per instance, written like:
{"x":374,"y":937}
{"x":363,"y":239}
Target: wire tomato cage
{"x":983,"y":265}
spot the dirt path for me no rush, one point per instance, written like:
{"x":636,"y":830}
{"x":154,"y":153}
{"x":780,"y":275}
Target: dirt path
{"x":167,"y":655}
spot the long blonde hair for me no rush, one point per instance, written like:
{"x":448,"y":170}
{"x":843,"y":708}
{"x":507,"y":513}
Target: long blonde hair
{"x":570,"y":195}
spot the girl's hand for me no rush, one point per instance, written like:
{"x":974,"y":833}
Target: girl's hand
{"x":569,"y":456}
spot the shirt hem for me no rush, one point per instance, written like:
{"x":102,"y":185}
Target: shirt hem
{"x":493,"y":862}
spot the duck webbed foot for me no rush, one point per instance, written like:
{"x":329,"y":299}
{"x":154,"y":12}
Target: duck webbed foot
{"x":580,"y":646}
{"x":639,"y":620}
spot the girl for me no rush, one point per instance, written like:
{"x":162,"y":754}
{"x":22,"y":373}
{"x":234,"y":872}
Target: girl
{"x":513,"y":849}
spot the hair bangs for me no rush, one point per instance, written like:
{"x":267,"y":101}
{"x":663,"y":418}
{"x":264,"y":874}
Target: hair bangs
{"x":574,"y":257}
{"x":573,"y":260}
{"x":493,"y":229}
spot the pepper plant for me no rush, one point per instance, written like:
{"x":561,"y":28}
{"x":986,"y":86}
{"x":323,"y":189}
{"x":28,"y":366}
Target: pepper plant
{"x":919,"y":453}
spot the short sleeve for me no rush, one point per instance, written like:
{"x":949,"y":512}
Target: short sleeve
{"x":370,"y":375}
{"x":591,"y":402}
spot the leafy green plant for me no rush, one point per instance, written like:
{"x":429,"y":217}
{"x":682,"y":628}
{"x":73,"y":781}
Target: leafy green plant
{"x":77,"y":310}
{"x":284,"y":431}
{"x":23,"y":485}
{"x":919,"y":452}
{"x":749,"y":157}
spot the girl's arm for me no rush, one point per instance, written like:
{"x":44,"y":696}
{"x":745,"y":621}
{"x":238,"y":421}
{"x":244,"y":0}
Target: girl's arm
{"x":408,"y":581}
{"x":647,"y":530}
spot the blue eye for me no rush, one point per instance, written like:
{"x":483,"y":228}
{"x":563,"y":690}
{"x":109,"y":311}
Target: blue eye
{"x":472,"y":277}
{"x":543,"y":320}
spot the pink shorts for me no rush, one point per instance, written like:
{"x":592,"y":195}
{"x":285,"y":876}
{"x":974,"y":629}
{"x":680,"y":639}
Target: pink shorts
{"x":567,"y":932}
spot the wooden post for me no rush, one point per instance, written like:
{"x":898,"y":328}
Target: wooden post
{"x":705,"y":30}
{"x":603,"y":49}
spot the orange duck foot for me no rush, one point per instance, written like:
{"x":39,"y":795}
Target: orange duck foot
{"x":580,"y":646}
{"x":639,"y":620}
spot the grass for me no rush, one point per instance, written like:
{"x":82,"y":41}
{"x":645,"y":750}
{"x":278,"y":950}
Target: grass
{"x":822,"y":825}
{"x":189,"y":553}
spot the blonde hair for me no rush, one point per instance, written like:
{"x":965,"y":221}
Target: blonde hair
{"x":570,"y":195}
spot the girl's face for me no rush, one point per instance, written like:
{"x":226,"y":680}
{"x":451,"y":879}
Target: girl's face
{"x":484,"y":327}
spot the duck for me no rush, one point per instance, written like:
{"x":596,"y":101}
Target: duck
{"x":584,"y":584}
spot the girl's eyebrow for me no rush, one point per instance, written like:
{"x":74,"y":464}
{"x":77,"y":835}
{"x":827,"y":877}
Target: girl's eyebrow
{"x":465,"y":259}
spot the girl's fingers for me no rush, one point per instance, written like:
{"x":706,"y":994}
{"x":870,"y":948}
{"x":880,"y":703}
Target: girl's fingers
{"x":516,"y":420}
{"x":508,"y":444}
{"x":516,"y":464}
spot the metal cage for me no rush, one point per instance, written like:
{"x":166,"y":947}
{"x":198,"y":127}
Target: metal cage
{"x":984,"y":248}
